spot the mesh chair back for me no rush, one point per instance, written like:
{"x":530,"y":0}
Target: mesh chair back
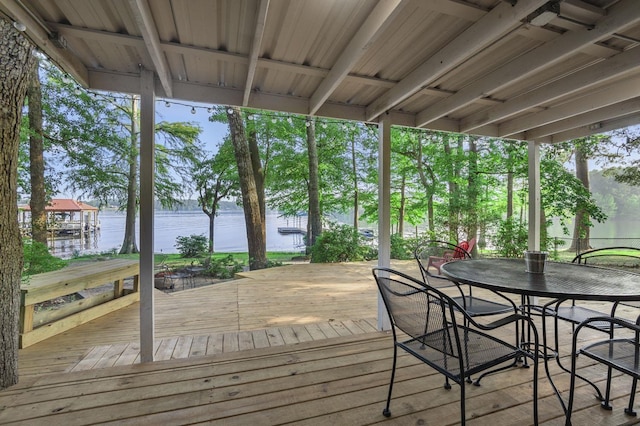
{"x":422,"y":313}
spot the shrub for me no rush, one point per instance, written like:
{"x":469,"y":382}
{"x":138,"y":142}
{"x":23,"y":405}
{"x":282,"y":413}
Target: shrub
{"x":223,"y":268}
{"x":400,"y":248}
{"x":37,"y":259}
{"x":192,"y":246}
{"x":343,"y":243}
{"x":511,"y":239}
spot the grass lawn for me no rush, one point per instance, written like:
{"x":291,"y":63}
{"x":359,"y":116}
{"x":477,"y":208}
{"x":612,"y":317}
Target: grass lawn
{"x":175,"y":259}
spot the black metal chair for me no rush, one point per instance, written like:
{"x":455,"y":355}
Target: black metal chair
{"x":432,"y":254}
{"x":606,"y":256}
{"x":456,"y":349}
{"x":584,"y":316}
{"x":617,"y":353}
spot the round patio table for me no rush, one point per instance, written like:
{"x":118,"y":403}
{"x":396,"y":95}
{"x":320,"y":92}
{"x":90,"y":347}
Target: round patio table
{"x":559,"y":281}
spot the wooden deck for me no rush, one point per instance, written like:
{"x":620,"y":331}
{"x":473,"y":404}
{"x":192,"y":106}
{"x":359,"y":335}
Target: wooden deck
{"x":299,"y":349}
{"x":291,"y":304}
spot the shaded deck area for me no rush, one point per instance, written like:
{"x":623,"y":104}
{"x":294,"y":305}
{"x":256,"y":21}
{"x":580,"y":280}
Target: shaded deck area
{"x":286,"y":345}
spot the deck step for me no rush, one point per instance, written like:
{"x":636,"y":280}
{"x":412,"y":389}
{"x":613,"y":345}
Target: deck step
{"x":210,"y":344}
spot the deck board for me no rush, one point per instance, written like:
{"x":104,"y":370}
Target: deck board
{"x":270,"y":348}
{"x":340,"y":381}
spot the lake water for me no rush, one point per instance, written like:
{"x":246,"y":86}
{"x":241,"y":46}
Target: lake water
{"x":230,"y":234}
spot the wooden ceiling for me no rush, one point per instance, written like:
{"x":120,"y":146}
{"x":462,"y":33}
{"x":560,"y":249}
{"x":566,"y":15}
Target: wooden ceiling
{"x":487,"y":67}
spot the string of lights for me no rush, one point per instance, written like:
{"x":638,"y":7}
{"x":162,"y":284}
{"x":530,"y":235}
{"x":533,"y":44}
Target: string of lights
{"x":253,"y":115}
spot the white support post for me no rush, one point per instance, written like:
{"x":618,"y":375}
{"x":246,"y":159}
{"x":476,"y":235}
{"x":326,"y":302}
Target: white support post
{"x":534,"y":196}
{"x":147,"y":146}
{"x":384,"y":209}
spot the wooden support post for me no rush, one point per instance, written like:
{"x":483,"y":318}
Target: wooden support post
{"x":136,"y":283}
{"x":118,"y":288}
{"x":147,"y":143}
{"x":534,"y":196}
{"x":26,"y":318}
{"x":384,"y":209}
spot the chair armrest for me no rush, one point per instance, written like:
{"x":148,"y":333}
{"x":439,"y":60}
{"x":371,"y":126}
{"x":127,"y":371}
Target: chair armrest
{"x":621,"y":322}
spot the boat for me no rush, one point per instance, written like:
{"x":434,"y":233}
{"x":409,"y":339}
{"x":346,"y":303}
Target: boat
{"x":291,"y":230}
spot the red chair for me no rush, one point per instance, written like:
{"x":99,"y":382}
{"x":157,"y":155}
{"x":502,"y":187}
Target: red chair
{"x":448,"y":253}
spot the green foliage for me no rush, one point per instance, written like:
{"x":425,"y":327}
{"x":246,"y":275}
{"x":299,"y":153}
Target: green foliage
{"x":192,"y":246}
{"x":37,"y":259}
{"x":403,"y":248}
{"x":399,"y":249}
{"x":223,"y":268}
{"x":511,"y":238}
{"x":273,"y":263}
{"x":342,"y":243}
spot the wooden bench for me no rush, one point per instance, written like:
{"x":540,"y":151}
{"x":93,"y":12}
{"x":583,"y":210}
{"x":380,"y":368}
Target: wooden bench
{"x":36,"y":326}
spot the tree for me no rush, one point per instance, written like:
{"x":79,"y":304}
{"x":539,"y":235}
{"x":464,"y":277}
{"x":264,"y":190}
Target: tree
{"x":315,"y":214}
{"x":95,"y":137}
{"x":630,"y":173}
{"x":584,"y":149}
{"x":16,"y":65}
{"x":38,"y":199}
{"x":215,"y":178}
{"x":256,"y":239}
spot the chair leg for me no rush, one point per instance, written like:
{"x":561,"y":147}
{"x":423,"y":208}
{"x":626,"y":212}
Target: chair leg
{"x":605,"y":402}
{"x":462,"y":407}
{"x":386,"y":412}
{"x":584,"y":379}
{"x":629,"y":410}
{"x":572,"y":387}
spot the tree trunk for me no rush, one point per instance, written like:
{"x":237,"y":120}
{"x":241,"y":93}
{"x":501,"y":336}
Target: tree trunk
{"x":212,"y":219}
{"x":402,"y":206}
{"x":315,"y":216}
{"x":129,"y":242}
{"x":250,"y":202}
{"x":453,"y":194}
{"x":510,"y":189}
{"x":473,"y":194}
{"x":431,"y":216}
{"x":16,"y":62}
{"x":38,"y":200}
{"x":258,"y":176}
{"x":581,"y":230}
{"x":356,"y":193}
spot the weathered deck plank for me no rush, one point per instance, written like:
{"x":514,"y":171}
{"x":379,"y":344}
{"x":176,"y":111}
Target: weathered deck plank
{"x":308,"y":366}
{"x":340,"y":381}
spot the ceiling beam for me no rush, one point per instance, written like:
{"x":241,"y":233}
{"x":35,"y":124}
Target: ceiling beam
{"x":478,"y":36}
{"x":261,"y":21}
{"x":581,"y":132}
{"x":594,"y":117}
{"x":234,"y":58}
{"x":619,"y":91}
{"x":146,"y":25}
{"x":578,"y":81}
{"x":41,"y":35}
{"x":367,"y":33}
{"x":622,"y":14}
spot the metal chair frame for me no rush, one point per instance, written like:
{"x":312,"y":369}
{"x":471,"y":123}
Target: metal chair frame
{"x":437,"y":338}
{"x":474,"y":306}
{"x":579,"y":315}
{"x":621,"y":354}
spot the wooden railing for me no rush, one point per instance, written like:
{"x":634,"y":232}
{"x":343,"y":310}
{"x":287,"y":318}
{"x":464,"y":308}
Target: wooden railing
{"x":39,"y":324}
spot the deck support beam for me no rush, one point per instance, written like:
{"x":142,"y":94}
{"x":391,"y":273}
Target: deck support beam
{"x":384,"y":209}
{"x":534,"y":196}
{"x":147,"y":147}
